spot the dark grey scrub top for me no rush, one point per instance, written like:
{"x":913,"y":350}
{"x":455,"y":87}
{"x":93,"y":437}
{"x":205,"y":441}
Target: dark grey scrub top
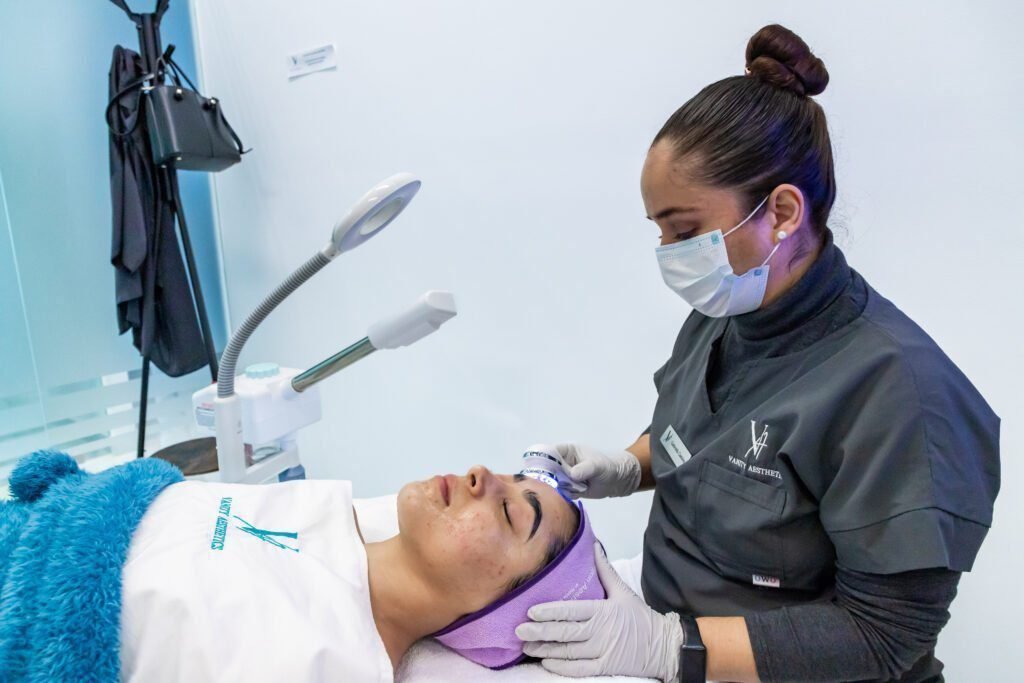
{"x":868,"y":449}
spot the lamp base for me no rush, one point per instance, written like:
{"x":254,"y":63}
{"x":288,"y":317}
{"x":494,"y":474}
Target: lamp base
{"x":197,"y":459}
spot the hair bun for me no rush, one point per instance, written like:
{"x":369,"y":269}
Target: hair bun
{"x":780,"y":57}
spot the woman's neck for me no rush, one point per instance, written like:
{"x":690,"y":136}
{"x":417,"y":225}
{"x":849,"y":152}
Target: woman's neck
{"x":405,"y":607}
{"x":782,"y":279}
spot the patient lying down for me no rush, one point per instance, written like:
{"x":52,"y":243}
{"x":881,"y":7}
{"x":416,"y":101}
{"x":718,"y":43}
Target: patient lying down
{"x":236,"y":582}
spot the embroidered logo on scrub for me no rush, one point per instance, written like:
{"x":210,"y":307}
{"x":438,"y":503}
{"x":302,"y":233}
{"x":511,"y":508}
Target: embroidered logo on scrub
{"x":220,"y":529}
{"x":674,"y":446}
{"x":757,"y":444}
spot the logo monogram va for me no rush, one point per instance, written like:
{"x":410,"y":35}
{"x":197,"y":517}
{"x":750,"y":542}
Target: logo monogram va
{"x":757,"y":443}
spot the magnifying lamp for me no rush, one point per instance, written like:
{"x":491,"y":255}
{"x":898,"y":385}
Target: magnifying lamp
{"x":371,"y":214}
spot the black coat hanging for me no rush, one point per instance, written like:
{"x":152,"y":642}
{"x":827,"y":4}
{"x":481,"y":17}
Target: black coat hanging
{"x":154,"y":300}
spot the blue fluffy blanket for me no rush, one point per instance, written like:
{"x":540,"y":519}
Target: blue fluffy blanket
{"x":63,"y":542}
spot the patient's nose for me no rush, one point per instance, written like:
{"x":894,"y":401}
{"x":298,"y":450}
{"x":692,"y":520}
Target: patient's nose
{"x":480,"y":480}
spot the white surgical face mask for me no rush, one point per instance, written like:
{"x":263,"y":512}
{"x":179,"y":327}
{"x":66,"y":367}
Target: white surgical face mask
{"x":698,"y":270}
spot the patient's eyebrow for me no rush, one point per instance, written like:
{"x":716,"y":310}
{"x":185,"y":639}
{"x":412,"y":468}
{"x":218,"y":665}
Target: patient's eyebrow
{"x":531,"y":498}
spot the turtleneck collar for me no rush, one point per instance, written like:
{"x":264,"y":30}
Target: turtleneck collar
{"x":823,"y":282}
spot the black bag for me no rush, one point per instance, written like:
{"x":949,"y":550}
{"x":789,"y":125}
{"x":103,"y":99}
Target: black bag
{"x":189,"y":131}
{"x":186,"y":130}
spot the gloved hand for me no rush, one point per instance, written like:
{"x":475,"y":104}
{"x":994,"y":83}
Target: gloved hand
{"x":618,"y":636}
{"x":605,"y":474}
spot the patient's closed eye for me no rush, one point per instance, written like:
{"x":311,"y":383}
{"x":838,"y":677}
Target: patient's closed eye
{"x":531,"y":498}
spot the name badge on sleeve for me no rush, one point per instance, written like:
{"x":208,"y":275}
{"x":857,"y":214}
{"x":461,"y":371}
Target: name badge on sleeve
{"x":675,"y":447}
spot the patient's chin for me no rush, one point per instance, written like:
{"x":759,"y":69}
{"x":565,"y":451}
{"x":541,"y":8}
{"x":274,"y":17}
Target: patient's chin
{"x":413,"y":505}
{"x":406,"y":499}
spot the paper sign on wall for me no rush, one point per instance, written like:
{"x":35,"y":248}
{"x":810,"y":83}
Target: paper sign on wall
{"x":319,"y":59}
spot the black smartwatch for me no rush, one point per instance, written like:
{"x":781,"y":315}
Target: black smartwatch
{"x":693,"y":658}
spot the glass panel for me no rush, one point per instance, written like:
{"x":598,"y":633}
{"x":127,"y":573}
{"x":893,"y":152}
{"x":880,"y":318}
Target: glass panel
{"x":21,"y":412}
{"x":67,"y":379}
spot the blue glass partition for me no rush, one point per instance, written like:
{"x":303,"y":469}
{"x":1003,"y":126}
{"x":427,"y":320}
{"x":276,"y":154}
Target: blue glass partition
{"x":67,"y":380}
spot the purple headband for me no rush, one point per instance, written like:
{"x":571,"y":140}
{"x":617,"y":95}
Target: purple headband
{"x":488,"y":636}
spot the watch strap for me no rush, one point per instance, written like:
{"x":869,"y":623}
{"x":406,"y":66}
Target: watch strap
{"x":693,"y":657}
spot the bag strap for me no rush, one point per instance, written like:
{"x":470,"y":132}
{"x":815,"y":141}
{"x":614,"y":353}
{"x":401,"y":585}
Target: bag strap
{"x":132,"y":85}
{"x":234,"y":135}
{"x":177,"y":73}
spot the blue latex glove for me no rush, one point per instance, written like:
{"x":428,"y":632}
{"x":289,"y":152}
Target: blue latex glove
{"x":617,"y":636}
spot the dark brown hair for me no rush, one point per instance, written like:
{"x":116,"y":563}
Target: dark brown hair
{"x":752,"y":133}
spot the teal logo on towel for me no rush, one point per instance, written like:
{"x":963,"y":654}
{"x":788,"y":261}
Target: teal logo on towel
{"x":265,"y":535}
{"x":220,"y":529}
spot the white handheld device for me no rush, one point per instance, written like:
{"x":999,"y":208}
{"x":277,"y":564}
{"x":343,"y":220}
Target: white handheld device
{"x":542,"y":462}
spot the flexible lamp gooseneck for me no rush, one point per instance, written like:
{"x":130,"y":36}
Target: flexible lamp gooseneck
{"x":371,"y":214}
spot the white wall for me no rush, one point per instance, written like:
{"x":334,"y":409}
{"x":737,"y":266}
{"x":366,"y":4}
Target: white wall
{"x":528,"y":122}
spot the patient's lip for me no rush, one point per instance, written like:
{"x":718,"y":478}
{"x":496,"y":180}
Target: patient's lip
{"x":442,"y":485}
{"x":452,"y":483}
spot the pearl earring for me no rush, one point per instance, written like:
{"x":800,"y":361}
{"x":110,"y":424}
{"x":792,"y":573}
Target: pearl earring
{"x":782,"y":235}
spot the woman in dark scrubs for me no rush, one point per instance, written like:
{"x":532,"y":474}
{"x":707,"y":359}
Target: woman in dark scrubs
{"x":822,"y":472}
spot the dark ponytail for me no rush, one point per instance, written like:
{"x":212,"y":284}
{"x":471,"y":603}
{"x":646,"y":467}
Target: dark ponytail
{"x":752,"y":133}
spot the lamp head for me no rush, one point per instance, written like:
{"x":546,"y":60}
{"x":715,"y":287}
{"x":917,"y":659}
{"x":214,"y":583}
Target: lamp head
{"x":372,"y":212}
